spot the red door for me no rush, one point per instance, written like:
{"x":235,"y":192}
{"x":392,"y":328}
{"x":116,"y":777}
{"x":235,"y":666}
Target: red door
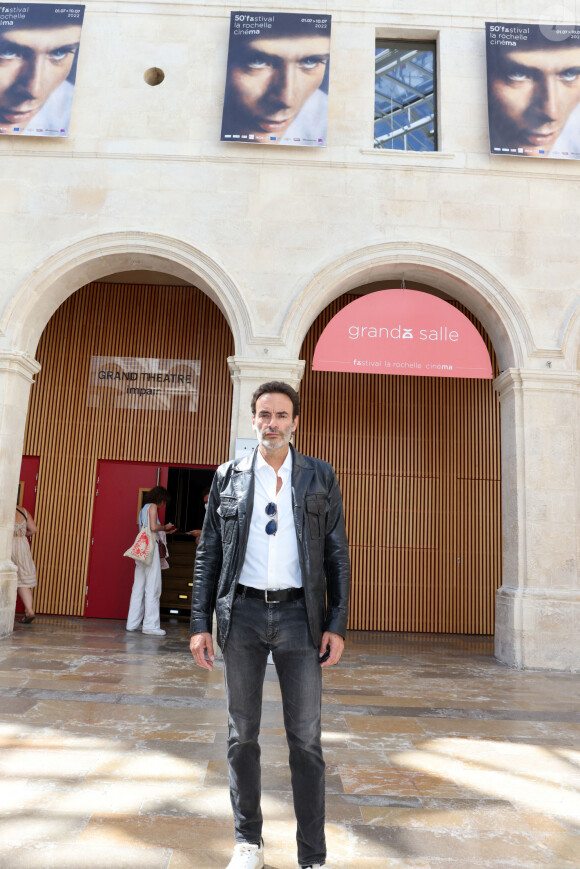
{"x":27,"y":495}
{"x":115,"y":524}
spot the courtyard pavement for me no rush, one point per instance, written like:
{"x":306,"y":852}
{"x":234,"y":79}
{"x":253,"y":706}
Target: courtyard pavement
{"x":112,"y":755}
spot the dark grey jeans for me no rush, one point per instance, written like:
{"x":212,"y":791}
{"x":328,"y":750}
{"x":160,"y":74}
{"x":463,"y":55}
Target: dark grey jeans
{"x":256,"y":629}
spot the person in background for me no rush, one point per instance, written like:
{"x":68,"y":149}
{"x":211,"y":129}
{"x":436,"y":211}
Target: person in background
{"x":144,"y":605}
{"x":196,"y":533}
{"x":21,"y":556}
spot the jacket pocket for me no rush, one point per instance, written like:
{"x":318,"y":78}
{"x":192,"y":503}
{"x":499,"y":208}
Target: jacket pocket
{"x":316,"y":512}
{"x":228,"y":512}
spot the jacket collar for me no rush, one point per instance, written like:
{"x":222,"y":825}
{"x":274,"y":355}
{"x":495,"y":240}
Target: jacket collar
{"x":246,"y":463}
{"x":303,"y":469}
{"x":299,"y":460}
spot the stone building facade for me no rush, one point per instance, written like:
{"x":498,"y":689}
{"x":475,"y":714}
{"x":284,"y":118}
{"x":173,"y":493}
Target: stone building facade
{"x":273,"y":235}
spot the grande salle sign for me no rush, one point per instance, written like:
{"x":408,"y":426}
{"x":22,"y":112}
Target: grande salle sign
{"x":402,"y":332}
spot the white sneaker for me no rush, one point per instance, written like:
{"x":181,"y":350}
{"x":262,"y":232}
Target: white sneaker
{"x":155,"y":632}
{"x":247,"y":856}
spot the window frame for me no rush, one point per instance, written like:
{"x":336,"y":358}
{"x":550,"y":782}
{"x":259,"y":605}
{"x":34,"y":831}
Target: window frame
{"x":382,"y":42}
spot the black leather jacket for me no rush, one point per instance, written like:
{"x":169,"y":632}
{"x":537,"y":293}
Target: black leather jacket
{"x":322,"y":545}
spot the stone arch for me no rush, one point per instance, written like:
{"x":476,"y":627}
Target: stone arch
{"x":462,"y":278}
{"x":90,"y":259}
{"x":35,"y":301}
{"x":458,"y":277}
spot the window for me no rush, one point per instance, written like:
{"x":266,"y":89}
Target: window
{"x":405,"y":98}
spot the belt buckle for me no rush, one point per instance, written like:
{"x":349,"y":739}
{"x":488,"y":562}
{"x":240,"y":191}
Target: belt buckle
{"x":266,"y":596}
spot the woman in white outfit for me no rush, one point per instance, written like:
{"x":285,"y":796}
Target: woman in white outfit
{"x":144,"y":606}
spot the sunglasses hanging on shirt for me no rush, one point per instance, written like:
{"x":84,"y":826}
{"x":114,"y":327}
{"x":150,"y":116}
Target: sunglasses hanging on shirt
{"x":272,"y":525}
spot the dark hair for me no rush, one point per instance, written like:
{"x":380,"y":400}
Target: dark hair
{"x":206,"y":491}
{"x":277,"y":386}
{"x":156,"y":495}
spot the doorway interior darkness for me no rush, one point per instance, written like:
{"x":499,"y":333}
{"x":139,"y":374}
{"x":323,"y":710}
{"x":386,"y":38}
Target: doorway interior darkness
{"x":186,"y":510}
{"x":185,"y":485}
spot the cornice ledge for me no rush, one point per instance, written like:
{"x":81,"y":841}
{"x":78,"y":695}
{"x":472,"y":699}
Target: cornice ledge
{"x":244,"y":367}
{"x":548,"y":353}
{"x":557,"y":595}
{"x":260,"y":339}
{"x":19,"y":362}
{"x":538,"y":379}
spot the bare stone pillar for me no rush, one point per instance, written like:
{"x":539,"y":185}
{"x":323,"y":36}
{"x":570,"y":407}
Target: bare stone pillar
{"x":16,"y":376}
{"x":538,"y":605}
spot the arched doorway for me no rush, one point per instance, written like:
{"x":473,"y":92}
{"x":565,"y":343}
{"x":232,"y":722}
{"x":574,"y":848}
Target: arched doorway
{"x":418,"y":461}
{"x":76,"y":427}
{"x":38,"y":298}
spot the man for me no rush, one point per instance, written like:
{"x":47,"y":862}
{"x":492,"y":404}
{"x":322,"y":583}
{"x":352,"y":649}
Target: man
{"x":273,"y":85}
{"x":37,"y":54}
{"x":534,"y":92}
{"x":196,"y":532}
{"x":273,"y":559}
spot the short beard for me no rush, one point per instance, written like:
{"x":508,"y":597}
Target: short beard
{"x":263,"y":442}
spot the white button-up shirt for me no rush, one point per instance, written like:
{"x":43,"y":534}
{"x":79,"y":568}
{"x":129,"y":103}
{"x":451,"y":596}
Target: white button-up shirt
{"x":272,"y":560}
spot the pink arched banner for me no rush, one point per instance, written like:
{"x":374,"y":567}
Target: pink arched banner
{"x":402,"y":332}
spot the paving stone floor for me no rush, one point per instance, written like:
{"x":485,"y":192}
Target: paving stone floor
{"x":112,"y":755}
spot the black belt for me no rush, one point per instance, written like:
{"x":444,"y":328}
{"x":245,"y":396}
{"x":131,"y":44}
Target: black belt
{"x":271,"y":595}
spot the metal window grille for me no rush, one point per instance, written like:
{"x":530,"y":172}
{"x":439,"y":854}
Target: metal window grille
{"x":405,"y":96}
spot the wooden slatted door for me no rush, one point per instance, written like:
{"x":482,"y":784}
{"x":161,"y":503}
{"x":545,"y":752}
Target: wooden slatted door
{"x":418,"y":460}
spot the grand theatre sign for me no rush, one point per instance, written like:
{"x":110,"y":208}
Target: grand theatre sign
{"x":402,"y":332}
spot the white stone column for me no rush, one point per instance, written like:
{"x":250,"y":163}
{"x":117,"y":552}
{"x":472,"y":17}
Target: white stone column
{"x":247,"y":374}
{"x":538,"y":605}
{"x":17,"y":370}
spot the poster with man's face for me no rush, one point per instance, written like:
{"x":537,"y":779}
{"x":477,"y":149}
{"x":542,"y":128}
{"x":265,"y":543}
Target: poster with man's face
{"x":533,"y":88}
{"x":39,"y":45}
{"x":277,"y":79}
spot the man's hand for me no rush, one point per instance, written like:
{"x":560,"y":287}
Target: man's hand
{"x":336,"y":644}
{"x":198,"y":644}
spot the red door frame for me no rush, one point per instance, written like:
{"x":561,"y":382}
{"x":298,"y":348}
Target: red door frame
{"x":115,"y":531}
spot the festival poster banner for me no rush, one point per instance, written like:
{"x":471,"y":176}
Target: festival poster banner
{"x":39,"y":45}
{"x":135,"y":383}
{"x":402,"y":332}
{"x":277,"y":79}
{"x":533,"y":90}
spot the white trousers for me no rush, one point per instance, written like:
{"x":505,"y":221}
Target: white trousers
{"x":144,"y":606}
